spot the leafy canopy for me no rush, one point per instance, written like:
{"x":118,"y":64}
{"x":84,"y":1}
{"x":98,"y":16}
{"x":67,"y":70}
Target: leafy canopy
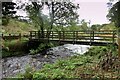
{"x":7,"y":11}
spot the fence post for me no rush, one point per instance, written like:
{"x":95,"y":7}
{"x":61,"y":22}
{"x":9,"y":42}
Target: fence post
{"x":113,"y":38}
{"x":90,"y":37}
{"x":59,"y":36}
{"x":38,"y":35}
{"x":76,"y":35}
{"x":73,"y":37}
{"x":63,"y":35}
{"x":9,"y":34}
{"x":52,"y":35}
{"x":19,"y":36}
{"x":30,"y":35}
{"x":2,"y":36}
{"x":35,"y":34}
{"x":93,"y":35}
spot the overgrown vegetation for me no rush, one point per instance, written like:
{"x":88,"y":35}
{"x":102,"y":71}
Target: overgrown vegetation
{"x":14,"y":48}
{"x":19,"y":47}
{"x":42,"y":48}
{"x":16,"y":26}
{"x":89,"y":65}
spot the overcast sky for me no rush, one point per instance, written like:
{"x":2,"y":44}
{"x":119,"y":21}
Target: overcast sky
{"x":93,"y":10}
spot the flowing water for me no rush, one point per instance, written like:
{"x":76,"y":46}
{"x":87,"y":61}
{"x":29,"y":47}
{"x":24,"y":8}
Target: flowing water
{"x":15,"y":65}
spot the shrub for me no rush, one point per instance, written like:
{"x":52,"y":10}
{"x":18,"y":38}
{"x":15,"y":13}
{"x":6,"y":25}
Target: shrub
{"x":41,"y":47}
{"x":100,"y":51}
{"x":14,"y":48}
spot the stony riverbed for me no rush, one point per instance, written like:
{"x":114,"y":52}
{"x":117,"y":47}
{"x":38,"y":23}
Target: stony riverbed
{"x":14,"y":65}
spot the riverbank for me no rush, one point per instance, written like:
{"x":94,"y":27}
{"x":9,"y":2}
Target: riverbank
{"x":15,"y":65}
{"x":63,"y":63}
{"x":97,"y":63}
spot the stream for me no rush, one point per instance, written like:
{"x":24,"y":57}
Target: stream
{"x":13,"y":65}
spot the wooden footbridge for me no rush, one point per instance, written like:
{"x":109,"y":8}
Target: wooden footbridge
{"x":97,"y":38}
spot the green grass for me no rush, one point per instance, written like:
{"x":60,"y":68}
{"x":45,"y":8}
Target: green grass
{"x":16,"y":26}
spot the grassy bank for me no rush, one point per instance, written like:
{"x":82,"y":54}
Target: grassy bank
{"x":15,"y":26}
{"x":20,"y":47}
{"x":14,"y":47}
{"x":98,"y":62}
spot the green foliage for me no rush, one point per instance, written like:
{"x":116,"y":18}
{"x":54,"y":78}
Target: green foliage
{"x":7,"y":11}
{"x":99,"y":51}
{"x":32,"y":51}
{"x":35,"y":14}
{"x":84,"y":25}
{"x":110,"y":26}
{"x":15,"y":27}
{"x":28,"y":73}
{"x":13,"y":48}
{"x":62,"y":69}
{"x":95,"y":27}
{"x":114,"y":13}
{"x":42,"y":47}
{"x":75,"y":66}
{"x":5,"y":21}
{"x":96,"y":50}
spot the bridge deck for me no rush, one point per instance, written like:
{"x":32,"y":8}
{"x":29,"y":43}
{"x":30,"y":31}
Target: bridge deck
{"x":76,"y":37}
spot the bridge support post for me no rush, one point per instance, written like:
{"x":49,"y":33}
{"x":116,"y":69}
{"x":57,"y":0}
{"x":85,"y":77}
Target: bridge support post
{"x":113,"y":39}
{"x":90,"y":38}
{"x":30,"y":35}
{"x":93,"y":35}
{"x":20,"y":36}
{"x":63,"y":35}
{"x":73,"y":37}
{"x":59,"y":33}
{"x":38,"y":35}
{"x":76,"y":35}
{"x":2,"y":36}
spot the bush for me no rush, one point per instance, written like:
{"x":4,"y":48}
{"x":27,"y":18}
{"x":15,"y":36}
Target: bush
{"x":14,"y":48}
{"x":42,"y":47}
{"x":100,"y":51}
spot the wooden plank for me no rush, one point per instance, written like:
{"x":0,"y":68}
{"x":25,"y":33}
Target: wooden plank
{"x":79,"y":35}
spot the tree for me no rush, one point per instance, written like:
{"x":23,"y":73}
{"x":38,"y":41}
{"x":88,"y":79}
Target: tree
{"x":35,"y":14}
{"x":84,"y":25}
{"x":62,"y":13}
{"x":96,"y":27}
{"x":110,"y":26}
{"x":59,"y":13}
{"x":114,"y":16}
{"x":7,"y":11}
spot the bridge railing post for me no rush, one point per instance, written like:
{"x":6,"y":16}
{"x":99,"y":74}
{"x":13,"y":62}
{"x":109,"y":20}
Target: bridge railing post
{"x":73,"y":37}
{"x":20,"y":36}
{"x":30,"y":35}
{"x":38,"y":35}
{"x":63,"y":35}
{"x":76,"y":35}
{"x":90,"y":36}
{"x":93,"y":35}
{"x":35,"y":35}
{"x":52,"y":35}
{"x":59,"y":33}
{"x":2,"y":36}
{"x":113,"y":37}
